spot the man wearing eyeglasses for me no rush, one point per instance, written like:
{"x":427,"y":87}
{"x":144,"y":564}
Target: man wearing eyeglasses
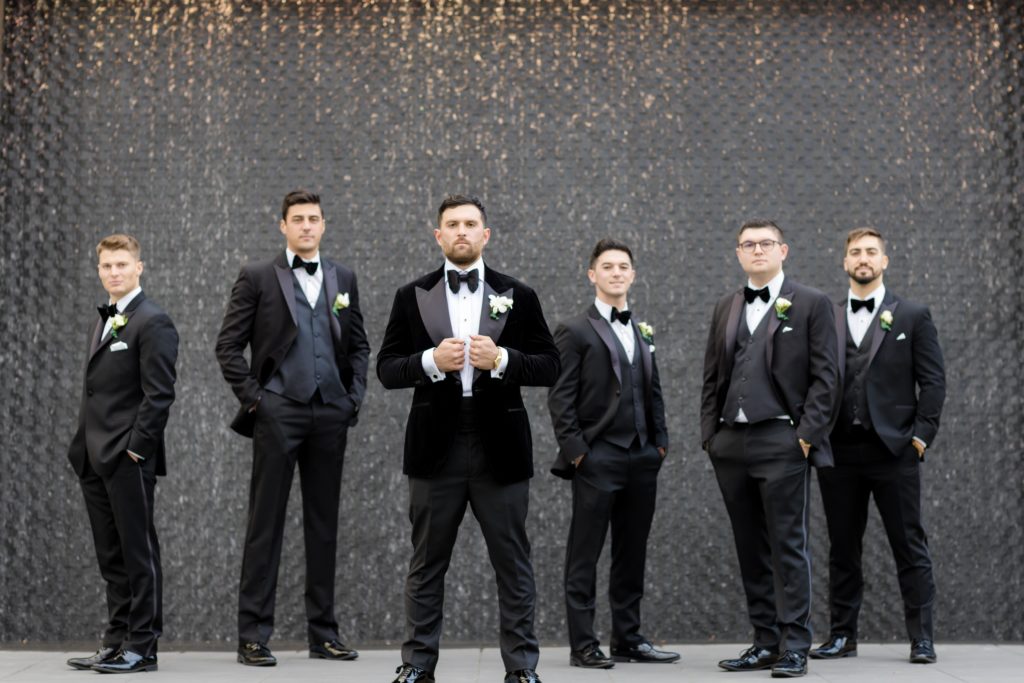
{"x":770,"y":382}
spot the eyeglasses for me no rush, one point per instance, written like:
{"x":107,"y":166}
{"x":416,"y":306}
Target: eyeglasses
{"x":766,"y":246}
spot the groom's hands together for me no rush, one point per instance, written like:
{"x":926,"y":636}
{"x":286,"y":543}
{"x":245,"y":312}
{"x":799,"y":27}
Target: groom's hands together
{"x":450,"y":355}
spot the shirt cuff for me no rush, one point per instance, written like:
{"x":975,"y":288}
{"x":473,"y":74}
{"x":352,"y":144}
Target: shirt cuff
{"x":135,"y":455}
{"x":502,"y":366}
{"x":921,"y":441}
{"x":430,"y":367}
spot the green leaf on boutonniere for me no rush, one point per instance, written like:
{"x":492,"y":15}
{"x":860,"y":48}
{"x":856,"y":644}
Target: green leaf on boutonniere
{"x":885,"y":320}
{"x":782,"y":305}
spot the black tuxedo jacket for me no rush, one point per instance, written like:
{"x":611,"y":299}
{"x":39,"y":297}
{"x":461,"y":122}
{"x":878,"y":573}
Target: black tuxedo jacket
{"x":906,"y":379}
{"x":802,"y":358}
{"x":585,"y":399}
{"x":127,"y":393}
{"x":261,"y":315}
{"x":419,"y":321}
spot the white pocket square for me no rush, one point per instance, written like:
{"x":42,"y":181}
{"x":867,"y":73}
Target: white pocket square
{"x":787,"y":329}
{"x":118,"y":346}
{"x":903,"y":335}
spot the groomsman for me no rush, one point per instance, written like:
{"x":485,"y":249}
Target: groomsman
{"x":118,"y":452}
{"x":466,"y":338}
{"x":609,"y":419}
{"x":299,"y":315}
{"x":894,"y":385}
{"x":770,"y":380}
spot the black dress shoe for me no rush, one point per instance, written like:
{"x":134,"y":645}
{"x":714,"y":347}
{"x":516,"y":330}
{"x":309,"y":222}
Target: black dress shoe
{"x":753,"y":658}
{"x":590,"y":657}
{"x":334,"y":649}
{"x":790,"y":665}
{"x":923,"y":652}
{"x":255,"y":654}
{"x":126,"y":662}
{"x":407,"y":673}
{"x":522,"y":676}
{"x":103,"y":654}
{"x":644,"y":652}
{"x":836,"y":647}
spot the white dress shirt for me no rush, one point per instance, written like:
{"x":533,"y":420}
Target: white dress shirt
{"x":464,"y":314}
{"x":623,"y":332}
{"x":860,"y":321}
{"x":755,"y":313}
{"x":311,"y":284}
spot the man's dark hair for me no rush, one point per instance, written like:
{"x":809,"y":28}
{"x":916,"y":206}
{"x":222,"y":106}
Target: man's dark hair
{"x":299,"y":197}
{"x":453,"y":200}
{"x":760,"y":223}
{"x":608,"y":244}
{"x":857,"y":233}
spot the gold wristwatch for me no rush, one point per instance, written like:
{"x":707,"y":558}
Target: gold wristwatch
{"x":497,"y":359}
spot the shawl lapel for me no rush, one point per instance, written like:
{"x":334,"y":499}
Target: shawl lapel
{"x":285,"y":280}
{"x":604,"y":331}
{"x":108,"y":337}
{"x":889,"y":303}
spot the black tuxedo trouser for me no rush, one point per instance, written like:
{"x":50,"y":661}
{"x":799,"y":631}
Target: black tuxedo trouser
{"x":120,"y":512}
{"x":436,"y":509}
{"x":618,"y":487}
{"x":865,"y":468}
{"x":313,"y":435}
{"x":765,"y":481}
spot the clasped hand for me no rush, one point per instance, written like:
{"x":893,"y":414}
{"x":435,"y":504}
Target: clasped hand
{"x":450,"y":354}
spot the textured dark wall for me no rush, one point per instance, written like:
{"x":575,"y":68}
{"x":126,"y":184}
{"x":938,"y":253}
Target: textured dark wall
{"x":663,"y":123}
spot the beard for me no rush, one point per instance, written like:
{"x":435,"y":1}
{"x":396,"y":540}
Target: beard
{"x":462,"y":257}
{"x":863,"y":279}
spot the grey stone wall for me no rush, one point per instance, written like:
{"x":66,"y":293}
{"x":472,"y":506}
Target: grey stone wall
{"x":663,"y":123}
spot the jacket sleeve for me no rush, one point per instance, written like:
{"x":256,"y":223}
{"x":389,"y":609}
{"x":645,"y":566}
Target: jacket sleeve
{"x":358,"y":350}
{"x":158,"y":353}
{"x":536,"y":364}
{"x":930,"y":376}
{"x":708,"y":394}
{"x":823,"y":373}
{"x":398,"y":363}
{"x":234,"y":336}
{"x":562,"y":402}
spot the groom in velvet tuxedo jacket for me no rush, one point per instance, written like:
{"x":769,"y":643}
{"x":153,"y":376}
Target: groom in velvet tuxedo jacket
{"x":770,"y":382}
{"x":118,"y":452}
{"x":466,"y":338}
{"x":299,"y":315}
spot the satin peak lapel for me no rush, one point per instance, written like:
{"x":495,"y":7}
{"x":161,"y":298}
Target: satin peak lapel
{"x":880,"y":334}
{"x":284,"y":279}
{"x":433,"y":306}
{"x":128,"y":311}
{"x":604,"y":331}
{"x":732,"y":324}
{"x":645,"y":352}
{"x":489,"y":327}
{"x":841,"y":336}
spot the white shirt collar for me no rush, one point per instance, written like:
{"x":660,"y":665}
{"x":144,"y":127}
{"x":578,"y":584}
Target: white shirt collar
{"x":123,"y":302}
{"x":774,"y":285}
{"x":478,"y":265}
{"x":605,"y":310}
{"x":290,"y":255}
{"x":878,"y":295}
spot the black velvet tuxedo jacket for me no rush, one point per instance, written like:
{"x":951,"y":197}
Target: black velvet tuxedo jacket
{"x":585,"y":399}
{"x":261,"y":315}
{"x":127,"y":393}
{"x":802,"y":360}
{"x":906,"y":379}
{"x":419,"y":321}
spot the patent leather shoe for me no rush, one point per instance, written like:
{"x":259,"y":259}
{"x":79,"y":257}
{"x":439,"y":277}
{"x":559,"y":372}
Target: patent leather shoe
{"x":590,"y":657}
{"x":522,"y":676}
{"x":836,"y":647}
{"x":923,"y":652}
{"x":255,"y":654}
{"x":101,"y":655}
{"x":126,"y":662}
{"x":643,"y":652}
{"x":407,"y":673}
{"x":790,"y":665}
{"x":754,"y":658}
{"x":332,"y":649}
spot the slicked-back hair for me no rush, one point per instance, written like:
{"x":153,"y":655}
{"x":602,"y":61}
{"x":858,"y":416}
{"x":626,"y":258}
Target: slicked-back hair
{"x":299,"y":197}
{"x":119,"y":241}
{"x":608,"y":244}
{"x":453,"y":200}
{"x":755,"y":223}
{"x":857,"y":233}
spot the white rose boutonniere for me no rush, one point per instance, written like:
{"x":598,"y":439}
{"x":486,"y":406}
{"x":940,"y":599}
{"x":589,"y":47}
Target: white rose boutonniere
{"x":647,"y":332}
{"x":116,"y":323}
{"x":499,"y":305}
{"x":782,"y":305}
{"x":885,"y":319}
{"x":340,"y":303}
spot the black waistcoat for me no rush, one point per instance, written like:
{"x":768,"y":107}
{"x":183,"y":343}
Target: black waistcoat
{"x":750,"y":386}
{"x":855,"y":401}
{"x":630,"y":421}
{"x":309,"y":364}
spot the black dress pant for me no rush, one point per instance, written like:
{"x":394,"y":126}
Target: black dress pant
{"x":864,"y":468}
{"x":765,"y":479}
{"x":618,"y":487}
{"x":313,"y":435}
{"x":436,"y":509}
{"x":120,"y":512}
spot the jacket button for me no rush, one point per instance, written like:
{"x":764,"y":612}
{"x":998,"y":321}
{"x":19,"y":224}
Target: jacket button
{"x":89,"y":392}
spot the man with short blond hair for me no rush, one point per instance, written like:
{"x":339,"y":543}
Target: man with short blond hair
{"x":118,"y":452}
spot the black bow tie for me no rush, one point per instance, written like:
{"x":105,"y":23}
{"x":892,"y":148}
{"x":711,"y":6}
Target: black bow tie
{"x":751,"y":294}
{"x":107,"y":311}
{"x":310,"y":266}
{"x":622,"y":316}
{"x":455,"y":280}
{"x":857,"y":304}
